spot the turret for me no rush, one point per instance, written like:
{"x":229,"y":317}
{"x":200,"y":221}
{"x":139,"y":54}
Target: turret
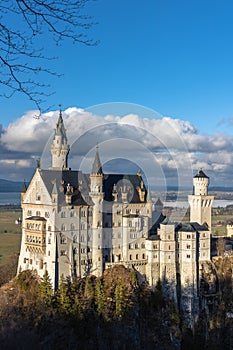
{"x":200,"y":202}
{"x":200,"y":183}
{"x":59,"y":148}
{"x":97,"y":196}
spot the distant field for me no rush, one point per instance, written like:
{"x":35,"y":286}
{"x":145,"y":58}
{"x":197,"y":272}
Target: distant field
{"x":10,"y":234}
{"x":9,"y":244}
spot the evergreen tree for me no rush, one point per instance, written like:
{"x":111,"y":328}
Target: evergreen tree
{"x":45,"y":290}
{"x":100,"y":299}
{"x":122,"y":299}
{"x":63,"y":296}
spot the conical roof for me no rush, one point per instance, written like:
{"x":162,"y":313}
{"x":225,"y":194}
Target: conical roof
{"x":97,"y":167}
{"x":201,"y":174}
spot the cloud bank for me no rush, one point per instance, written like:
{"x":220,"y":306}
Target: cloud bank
{"x":167,"y":150}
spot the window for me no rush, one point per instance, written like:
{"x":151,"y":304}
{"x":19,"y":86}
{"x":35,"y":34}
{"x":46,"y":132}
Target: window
{"x":83,"y":250}
{"x":63,"y":239}
{"x":63,"y":214}
{"x":49,"y":228}
{"x":38,"y":213}
{"x":74,"y":239}
{"x":130,"y":257}
{"x":46,"y":214}
{"x":63,"y":228}
{"x":119,"y":223}
{"x":83,"y":213}
{"x":30,"y":261}
{"x":143,"y":245}
{"x":72,"y":227}
{"x":155,"y":246}
{"x":203,"y":245}
{"x":49,"y":253}
{"x":49,"y":240}
{"x":29,"y":213}
{"x":188,"y":246}
{"x":169,"y":247}
{"x":41,"y":264}
{"x":136,"y":246}
{"x":63,"y":252}
{"x":169,"y":257}
{"x":143,"y":256}
{"x":188,"y":236}
{"x":136,"y":256}
{"x":71,"y":213}
{"x":188,"y":256}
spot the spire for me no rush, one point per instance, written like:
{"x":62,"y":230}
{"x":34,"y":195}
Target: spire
{"x":59,"y":147}
{"x":60,"y":129}
{"x":97,"y":167}
{"x":201,"y":174}
{"x":24,"y":187}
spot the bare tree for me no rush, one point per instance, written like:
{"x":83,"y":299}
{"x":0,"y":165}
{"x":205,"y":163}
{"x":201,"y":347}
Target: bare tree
{"x":24,"y":25}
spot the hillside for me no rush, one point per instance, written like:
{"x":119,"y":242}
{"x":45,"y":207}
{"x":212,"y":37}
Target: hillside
{"x":10,"y":186}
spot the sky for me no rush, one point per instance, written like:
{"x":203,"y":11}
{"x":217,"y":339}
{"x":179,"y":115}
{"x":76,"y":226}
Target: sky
{"x":174,"y":58}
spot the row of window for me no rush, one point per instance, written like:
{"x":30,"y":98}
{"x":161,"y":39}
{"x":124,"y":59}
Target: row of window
{"x":136,"y":246}
{"x":35,"y":227}
{"x":35,"y":239}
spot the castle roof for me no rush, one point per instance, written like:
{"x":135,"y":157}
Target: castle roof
{"x":56,"y":182}
{"x":201,"y":174}
{"x":97,"y":168}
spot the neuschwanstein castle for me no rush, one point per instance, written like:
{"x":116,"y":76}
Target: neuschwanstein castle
{"x":74,"y":224}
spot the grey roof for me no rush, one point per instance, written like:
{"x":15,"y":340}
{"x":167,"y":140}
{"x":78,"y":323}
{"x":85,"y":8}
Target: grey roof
{"x":191,"y":227}
{"x":97,"y":168}
{"x":201,"y":174}
{"x":39,"y":218}
{"x":57,"y":180}
{"x":124,"y":182}
{"x":153,"y":238}
{"x":60,"y":128}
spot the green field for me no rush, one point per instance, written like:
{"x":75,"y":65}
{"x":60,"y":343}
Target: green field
{"x":10,"y":234}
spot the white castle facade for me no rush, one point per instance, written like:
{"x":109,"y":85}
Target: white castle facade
{"x":74,"y":224}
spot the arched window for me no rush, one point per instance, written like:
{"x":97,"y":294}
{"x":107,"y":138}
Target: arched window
{"x":75,"y":239}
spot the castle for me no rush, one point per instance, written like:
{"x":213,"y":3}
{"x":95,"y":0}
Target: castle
{"x":75,"y":224}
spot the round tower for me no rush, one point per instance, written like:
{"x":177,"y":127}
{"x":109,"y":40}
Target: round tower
{"x":200,"y":184}
{"x":59,"y":147}
{"x":200,"y":202}
{"x":97,"y":196}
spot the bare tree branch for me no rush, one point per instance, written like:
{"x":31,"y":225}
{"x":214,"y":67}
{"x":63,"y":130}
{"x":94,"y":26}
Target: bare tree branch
{"x":23,"y":25}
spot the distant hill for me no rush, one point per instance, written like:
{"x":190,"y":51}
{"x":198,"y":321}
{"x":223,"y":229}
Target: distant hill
{"x":10,"y":186}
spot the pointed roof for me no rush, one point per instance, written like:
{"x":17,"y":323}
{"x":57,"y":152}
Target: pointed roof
{"x":54,"y":190}
{"x":97,"y":167}
{"x":60,"y":128}
{"x":201,"y":174}
{"x":24,"y":187}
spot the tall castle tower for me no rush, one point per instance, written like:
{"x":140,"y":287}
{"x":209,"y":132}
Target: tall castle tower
{"x":59,"y":146}
{"x":97,"y":196}
{"x":200,"y":202}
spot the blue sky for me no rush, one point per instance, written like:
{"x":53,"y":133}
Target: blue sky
{"x":174,"y":57}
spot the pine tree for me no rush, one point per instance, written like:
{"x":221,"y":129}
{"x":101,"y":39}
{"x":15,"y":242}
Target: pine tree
{"x":45,"y":290}
{"x":63,"y":296}
{"x":122,"y":299}
{"x":100,"y":299}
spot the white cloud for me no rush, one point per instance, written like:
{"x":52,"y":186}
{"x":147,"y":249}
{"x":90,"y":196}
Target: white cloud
{"x":171,"y":145}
